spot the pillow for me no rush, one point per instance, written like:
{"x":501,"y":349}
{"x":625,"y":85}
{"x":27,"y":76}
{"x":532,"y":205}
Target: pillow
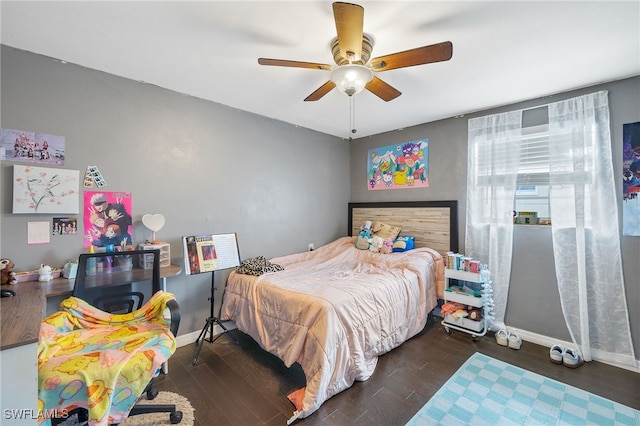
{"x":403,"y":243}
{"x":383,"y":231}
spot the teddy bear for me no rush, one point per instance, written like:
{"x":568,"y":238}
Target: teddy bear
{"x":6,"y":272}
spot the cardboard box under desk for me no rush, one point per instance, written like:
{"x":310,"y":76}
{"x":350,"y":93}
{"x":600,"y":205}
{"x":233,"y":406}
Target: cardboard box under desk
{"x":146,"y":260}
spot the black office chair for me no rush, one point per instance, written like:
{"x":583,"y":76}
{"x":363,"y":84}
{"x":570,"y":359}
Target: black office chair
{"x":113,"y":283}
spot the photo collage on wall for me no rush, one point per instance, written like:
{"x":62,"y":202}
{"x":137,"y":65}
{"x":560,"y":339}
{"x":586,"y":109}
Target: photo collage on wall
{"x":24,"y":146}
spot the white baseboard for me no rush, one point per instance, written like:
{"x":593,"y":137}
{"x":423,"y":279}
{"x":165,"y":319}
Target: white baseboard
{"x":547,"y":341}
{"x":187,"y":339}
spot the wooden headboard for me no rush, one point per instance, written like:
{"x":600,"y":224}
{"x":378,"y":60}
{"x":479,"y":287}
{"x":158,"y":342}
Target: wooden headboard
{"x":433,"y":224}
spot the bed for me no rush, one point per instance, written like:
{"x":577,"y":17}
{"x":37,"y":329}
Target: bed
{"x":336,"y":309}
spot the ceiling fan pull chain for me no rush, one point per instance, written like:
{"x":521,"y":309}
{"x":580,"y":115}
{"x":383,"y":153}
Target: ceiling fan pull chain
{"x":352,"y":113}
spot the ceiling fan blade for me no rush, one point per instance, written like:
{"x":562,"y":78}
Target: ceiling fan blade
{"x":349,"y":26}
{"x":382,"y":90}
{"x":294,"y":64}
{"x":321,"y":91}
{"x":418,"y":56}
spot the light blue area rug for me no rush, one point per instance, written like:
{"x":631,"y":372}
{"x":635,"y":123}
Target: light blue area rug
{"x":485,"y":391}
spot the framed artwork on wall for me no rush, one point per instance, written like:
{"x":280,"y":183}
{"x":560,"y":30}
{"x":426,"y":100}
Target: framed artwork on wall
{"x":404,"y":165}
{"x":45,"y":190}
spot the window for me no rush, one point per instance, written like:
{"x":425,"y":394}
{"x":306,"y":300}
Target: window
{"x":532,"y":186}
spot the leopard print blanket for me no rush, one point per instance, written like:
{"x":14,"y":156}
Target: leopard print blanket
{"x":257,"y":266}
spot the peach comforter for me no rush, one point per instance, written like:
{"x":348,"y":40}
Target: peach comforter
{"x":335,"y":310}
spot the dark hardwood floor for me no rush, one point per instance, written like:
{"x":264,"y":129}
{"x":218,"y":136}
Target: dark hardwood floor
{"x":244,"y":385}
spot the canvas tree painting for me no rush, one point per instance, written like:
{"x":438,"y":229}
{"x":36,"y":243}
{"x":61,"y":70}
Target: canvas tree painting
{"x":45,"y":190}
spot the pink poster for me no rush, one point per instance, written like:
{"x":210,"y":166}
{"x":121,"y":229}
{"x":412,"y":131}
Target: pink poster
{"x":107,"y":219}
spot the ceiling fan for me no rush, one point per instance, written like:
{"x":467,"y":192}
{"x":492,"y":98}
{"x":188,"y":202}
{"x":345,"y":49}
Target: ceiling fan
{"x":351,"y":51}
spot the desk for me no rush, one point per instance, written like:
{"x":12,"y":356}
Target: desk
{"x":21,"y":316}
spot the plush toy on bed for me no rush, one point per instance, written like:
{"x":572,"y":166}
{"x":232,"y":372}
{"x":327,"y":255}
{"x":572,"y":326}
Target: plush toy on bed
{"x":376,"y":244}
{"x":403,"y":243}
{"x":387,"y":246}
{"x":363,"y":240}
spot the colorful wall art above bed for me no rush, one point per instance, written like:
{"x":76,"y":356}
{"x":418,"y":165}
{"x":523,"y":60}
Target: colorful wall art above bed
{"x":404,"y":165}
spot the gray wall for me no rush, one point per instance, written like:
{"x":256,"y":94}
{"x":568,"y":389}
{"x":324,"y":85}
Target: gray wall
{"x":533,"y":303}
{"x":206,"y":167}
{"x":209,"y":168}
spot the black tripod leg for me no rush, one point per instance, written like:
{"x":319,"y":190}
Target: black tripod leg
{"x":203,"y":336}
{"x":225,"y":331}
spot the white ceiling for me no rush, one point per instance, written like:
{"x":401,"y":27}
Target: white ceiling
{"x":503,"y":52}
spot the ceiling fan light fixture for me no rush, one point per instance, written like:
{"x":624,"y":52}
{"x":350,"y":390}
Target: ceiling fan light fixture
{"x":351,"y":79}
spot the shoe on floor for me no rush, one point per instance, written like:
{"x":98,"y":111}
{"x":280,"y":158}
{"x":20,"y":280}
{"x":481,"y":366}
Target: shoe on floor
{"x":502,"y":337}
{"x":571,"y":358}
{"x":514,"y":341}
{"x":556,"y":354}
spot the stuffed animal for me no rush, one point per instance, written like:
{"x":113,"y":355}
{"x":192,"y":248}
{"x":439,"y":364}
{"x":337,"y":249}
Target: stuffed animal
{"x":460,"y":313}
{"x":45,"y":273}
{"x":376,"y":244}
{"x":475,"y":314}
{"x":6,"y":272}
{"x":363,"y":239}
{"x":403,"y":243}
{"x":387,"y":246}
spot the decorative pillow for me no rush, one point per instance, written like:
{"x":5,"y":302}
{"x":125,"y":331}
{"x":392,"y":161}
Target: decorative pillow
{"x":383,"y":230}
{"x":403,"y":243}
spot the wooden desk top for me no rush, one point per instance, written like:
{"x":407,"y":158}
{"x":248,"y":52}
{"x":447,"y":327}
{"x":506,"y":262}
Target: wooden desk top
{"x":20,"y":315}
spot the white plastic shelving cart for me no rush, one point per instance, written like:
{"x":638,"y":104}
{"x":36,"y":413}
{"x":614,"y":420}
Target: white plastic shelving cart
{"x":483,"y":300}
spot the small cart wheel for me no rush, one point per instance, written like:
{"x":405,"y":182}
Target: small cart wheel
{"x":447,"y":330}
{"x":176,"y":417}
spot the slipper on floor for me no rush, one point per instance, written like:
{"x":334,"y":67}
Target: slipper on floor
{"x":572,"y":359}
{"x":514,"y":341}
{"x":502,"y":338}
{"x":556,"y":353}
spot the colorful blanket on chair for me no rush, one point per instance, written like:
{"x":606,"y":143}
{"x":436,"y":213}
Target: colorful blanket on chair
{"x":99,"y":361}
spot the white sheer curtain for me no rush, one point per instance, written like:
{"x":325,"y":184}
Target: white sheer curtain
{"x":585,"y":229}
{"x":493,"y":158}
